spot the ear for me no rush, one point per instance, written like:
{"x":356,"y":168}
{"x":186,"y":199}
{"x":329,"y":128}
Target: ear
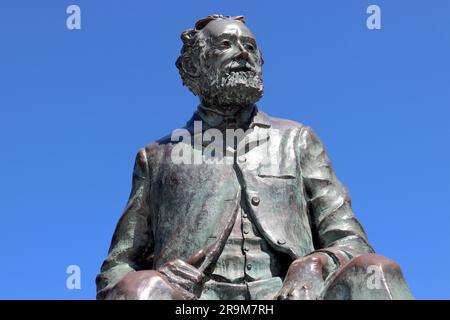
{"x":186,"y":61}
{"x":190,"y":65}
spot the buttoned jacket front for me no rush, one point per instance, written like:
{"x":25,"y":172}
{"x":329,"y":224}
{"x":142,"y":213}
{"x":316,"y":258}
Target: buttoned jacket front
{"x":281,"y":171}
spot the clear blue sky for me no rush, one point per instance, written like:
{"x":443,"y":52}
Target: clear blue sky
{"x":75,"y":106}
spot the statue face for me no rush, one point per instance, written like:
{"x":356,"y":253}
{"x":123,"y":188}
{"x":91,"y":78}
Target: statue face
{"x":232,"y":47}
{"x":231,"y":63}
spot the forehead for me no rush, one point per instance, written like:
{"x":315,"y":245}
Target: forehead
{"x":227,"y":26}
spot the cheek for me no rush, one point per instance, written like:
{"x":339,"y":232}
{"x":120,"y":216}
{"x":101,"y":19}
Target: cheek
{"x":214,"y":54}
{"x":213,"y":57}
{"x":218,"y":58}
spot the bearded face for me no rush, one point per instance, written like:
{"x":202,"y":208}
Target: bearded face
{"x":227,"y":64}
{"x":236,"y":84}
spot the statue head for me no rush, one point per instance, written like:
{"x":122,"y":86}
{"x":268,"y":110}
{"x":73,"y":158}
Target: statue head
{"x":221,"y":63}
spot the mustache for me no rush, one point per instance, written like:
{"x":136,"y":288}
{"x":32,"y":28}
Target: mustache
{"x":239,"y":66}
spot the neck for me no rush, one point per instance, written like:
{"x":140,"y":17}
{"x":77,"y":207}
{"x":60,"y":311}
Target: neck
{"x":225,"y":111}
{"x":226,"y":117}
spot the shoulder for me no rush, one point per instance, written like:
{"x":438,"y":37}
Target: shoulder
{"x":307,"y":135}
{"x":275,"y":122}
{"x":155,"y":151}
{"x":281,"y":123}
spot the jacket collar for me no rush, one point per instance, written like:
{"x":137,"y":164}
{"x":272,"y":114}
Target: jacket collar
{"x":258,"y":118}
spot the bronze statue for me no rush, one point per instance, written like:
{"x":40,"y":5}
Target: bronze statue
{"x":262,"y":216}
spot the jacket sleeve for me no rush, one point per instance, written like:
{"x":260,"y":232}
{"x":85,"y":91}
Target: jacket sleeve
{"x":336,"y":231}
{"x":132,"y":243}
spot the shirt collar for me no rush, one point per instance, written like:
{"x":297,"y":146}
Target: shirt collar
{"x":213,"y":120}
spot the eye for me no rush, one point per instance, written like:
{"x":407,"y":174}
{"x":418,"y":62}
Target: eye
{"x":225,"y":44}
{"x":250,"y":47}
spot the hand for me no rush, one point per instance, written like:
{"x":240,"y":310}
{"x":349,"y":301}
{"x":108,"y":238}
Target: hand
{"x":304,"y":279}
{"x":175,"y":280}
{"x":145,"y":285}
{"x":185,"y":274}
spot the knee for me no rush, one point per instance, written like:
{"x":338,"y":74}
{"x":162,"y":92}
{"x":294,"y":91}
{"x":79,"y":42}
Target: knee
{"x":369,"y":276}
{"x":135,"y":284}
{"x":371,"y":261}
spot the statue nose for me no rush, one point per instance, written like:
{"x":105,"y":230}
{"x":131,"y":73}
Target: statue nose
{"x":243,"y":55}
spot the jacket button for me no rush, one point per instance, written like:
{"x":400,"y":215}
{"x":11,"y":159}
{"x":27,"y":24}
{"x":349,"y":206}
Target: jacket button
{"x":255,"y":201}
{"x":281,"y":241}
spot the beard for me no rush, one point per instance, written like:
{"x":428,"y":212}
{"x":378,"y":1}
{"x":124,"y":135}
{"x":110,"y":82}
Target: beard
{"x":234,"y":89}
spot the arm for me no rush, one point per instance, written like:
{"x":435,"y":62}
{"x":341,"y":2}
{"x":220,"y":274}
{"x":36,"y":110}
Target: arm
{"x":336,"y":231}
{"x":338,"y":236}
{"x":132,"y":241}
{"x":127,"y":271}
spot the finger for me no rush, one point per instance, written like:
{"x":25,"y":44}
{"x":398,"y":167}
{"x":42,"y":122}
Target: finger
{"x":294,"y":294}
{"x":308,"y":295}
{"x":185,"y":270}
{"x":283,"y":295}
{"x":175,"y":279}
{"x":197,"y":258}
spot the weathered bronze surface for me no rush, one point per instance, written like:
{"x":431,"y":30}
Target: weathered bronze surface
{"x":260,"y":217}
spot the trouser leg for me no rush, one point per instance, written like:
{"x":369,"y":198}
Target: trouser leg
{"x":367,"y":277}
